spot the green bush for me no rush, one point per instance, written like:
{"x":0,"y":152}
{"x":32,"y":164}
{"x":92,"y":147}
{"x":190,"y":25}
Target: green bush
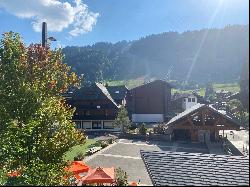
{"x":104,"y":144}
{"x":80,"y":156}
{"x":110,"y":141}
{"x":142,"y":129}
{"x":159,"y":129}
{"x":121,"y":177}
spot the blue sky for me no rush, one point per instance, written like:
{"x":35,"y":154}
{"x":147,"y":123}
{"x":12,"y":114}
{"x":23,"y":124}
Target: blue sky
{"x":115,"y":20}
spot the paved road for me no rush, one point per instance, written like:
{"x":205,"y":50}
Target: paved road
{"x":126,"y":154}
{"x":239,"y":139}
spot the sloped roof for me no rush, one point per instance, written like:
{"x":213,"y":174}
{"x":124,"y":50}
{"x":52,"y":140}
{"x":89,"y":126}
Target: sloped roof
{"x":197,"y":107}
{"x":117,"y":92}
{"x":95,"y":91}
{"x":149,"y":83}
{"x":195,"y":169}
{"x":106,"y":93}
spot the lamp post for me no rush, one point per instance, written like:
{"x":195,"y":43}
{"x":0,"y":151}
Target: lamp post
{"x":45,"y":38}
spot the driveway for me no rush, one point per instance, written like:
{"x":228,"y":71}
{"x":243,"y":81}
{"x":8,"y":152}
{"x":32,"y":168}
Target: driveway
{"x":126,"y":155}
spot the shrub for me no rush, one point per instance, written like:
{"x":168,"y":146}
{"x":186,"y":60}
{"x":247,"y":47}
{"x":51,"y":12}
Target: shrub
{"x":142,"y":129}
{"x":104,"y":144}
{"x":132,"y":127}
{"x":80,"y":156}
{"x":159,"y":129}
{"x":121,"y":177}
{"x":110,"y":141}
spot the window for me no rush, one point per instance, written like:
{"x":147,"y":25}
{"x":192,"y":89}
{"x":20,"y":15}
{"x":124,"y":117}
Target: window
{"x":96,"y":125}
{"x":193,"y":99}
{"x":108,"y":125}
{"x":98,"y":106}
{"x":189,"y":99}
{"x":117,"y":92}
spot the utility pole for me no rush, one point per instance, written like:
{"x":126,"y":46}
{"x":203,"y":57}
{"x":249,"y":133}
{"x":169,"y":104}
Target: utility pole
{"x":44,"y":34}
{"x":45,"y":37}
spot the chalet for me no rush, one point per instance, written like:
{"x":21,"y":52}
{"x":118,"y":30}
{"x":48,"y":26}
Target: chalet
{"x":200,"y":123}
{"x":95,"y":107}
{"x":150,"y":102}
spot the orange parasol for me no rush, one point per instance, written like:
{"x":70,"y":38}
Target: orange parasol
{"x":100,"y":176}
{"x":133,"y":183}
{"x":77,"y":167}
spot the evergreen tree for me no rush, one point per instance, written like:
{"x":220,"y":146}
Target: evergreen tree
{"x":122,"y":119}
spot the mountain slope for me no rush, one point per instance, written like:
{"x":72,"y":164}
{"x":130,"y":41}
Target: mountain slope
{"x":206,"y":55}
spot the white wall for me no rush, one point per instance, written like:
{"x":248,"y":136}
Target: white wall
{"x":147,"y":118}
{"x":188,"y":104}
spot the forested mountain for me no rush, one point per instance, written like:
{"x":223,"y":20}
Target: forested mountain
{"x":215,"y":55}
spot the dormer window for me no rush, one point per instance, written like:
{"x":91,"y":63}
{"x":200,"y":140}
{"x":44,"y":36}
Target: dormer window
{"x":98,"y":106}
{"x":117,"y":92}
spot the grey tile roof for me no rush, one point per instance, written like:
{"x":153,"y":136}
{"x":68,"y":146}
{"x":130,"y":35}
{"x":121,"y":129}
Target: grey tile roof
{"x":117,"y":92}
{"x":198,"y":107}
{"x":196,"y":169}
{"x":96,"y":91}
{"x":153,"y":82}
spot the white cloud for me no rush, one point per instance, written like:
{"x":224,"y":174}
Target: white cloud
{"x":58,"y":15}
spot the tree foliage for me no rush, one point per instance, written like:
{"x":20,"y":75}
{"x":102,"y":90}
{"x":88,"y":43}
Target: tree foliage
{"x":143,"y":129}
{"x":122,"y":119}
{"x":238,"y":111}
{"x":121,"y":177}
{"x":35,"y":123}
{"x":244,"y":83}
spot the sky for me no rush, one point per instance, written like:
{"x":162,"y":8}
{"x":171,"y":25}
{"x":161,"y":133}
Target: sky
{"x":85,"y":22}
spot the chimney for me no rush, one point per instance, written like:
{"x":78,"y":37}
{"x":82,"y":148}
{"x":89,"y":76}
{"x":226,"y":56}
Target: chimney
{"x":44,"y":34}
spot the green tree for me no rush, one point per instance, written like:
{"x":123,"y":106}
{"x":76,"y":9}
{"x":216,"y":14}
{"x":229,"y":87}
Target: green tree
{"x":122,"y":119}
{"x":244,"y":83}
{"x":143,"y":129}
{"x":121,"y":177}
{"x":35,"y":125}
{"x":237,"y":109}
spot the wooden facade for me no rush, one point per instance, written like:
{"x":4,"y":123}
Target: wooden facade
{"x":201,"y":123}
{"x":95,"y":107}
{"x":150,"y":101}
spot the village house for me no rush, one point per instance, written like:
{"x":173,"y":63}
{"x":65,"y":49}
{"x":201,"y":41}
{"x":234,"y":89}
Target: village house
{"x":150,"y":103}
{"x":200,"y":123}
{"x":95,"y":107}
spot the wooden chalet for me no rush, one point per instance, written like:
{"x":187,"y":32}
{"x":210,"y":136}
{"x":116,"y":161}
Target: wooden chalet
{"x":200,"y":123}
{"x":95,"y":107}
{"x":150,"y":102}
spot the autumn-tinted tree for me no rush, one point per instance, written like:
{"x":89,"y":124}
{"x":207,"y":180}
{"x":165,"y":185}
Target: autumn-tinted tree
{"x":35,"y":123}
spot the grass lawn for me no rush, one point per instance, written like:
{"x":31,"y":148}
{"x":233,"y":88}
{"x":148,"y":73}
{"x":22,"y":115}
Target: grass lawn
{"x":129,"y":83}
{"x":74,"y":151}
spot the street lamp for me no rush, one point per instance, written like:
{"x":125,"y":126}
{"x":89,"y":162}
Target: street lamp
{"x":44,"y":35}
